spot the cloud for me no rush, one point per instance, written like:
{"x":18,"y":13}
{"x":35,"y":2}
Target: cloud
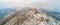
{"x":31,"y":3}
{"x":21,"y":2}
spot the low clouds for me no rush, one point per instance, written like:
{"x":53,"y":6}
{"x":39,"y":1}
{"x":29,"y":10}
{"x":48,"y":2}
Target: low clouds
{"x":22,"y":2}
{"x":30,"y":3}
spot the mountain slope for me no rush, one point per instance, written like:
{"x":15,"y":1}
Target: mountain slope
{"x":29,"y":17}
{"x":53,"y":14}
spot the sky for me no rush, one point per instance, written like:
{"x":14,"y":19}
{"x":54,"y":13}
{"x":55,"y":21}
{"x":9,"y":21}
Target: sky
{"x":46,"y":4}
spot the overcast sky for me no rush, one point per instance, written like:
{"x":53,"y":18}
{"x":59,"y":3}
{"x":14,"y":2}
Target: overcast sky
{"x":26,"y":2}
{"x":50,"y":4}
